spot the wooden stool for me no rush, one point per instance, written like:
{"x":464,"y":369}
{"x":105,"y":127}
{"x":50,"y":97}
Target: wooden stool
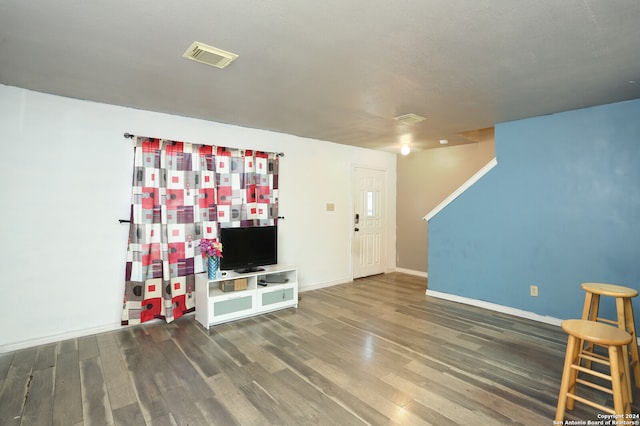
{"x":625,"y":320}
{"x":615,"y":340}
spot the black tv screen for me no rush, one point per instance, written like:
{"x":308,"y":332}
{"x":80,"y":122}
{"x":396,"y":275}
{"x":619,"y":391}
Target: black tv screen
{"x":246,"y":249}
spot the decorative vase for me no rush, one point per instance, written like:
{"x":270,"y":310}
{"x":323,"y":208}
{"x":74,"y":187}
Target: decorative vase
{"x":212,"y":267}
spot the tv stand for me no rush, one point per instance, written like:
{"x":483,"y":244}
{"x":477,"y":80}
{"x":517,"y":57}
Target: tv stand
{"x":213,"y":306}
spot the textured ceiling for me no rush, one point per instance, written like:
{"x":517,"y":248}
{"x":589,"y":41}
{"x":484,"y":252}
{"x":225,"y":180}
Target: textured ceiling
{"x":333,"y":70}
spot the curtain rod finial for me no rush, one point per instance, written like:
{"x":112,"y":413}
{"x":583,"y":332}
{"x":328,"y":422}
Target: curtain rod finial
{"x":128,"y":135}
{"x":280,"y":154}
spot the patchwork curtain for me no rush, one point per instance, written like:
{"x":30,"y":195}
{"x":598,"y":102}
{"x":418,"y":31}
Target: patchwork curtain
{"x":181,"y":193}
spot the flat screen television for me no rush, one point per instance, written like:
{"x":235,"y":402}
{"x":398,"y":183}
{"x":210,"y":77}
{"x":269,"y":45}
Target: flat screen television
{"x":246,"y":249}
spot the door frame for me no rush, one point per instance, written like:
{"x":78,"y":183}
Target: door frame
{"x":385,"y":207}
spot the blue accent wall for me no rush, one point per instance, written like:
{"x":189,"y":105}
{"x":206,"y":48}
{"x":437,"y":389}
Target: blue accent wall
{"x":562,"y":207}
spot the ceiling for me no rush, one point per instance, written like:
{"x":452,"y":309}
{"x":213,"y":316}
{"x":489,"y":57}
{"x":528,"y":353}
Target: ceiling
{"x":335,"y":70}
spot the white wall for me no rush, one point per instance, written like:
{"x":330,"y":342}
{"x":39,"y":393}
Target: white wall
{"x":66,"y":172}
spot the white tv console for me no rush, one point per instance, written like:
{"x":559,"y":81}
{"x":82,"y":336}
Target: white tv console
{"x":213,"y":306}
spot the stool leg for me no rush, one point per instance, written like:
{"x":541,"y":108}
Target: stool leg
{"x":631,"y":329}
{"x":620,"y":309}
{"x":627,"y":397}
{"x":618,"y":379}
{"x":565,"y":384}
{"x":573,"y":373}
{"x":590,"y":312}
{"x":588,"y":308}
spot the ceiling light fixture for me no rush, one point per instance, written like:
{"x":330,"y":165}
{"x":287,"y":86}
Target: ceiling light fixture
{"x":405,"y":149}
{"x":443,"y":141}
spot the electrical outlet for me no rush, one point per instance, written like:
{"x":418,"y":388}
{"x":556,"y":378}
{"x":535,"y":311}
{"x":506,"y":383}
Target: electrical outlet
{"x":533,"y":290}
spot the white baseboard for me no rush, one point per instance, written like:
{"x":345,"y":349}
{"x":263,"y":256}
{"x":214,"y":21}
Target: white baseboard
{"x":71,"y":335}
{"x":412,"y":272}
{"x":495,"y":307}
{"x":323,"y":285}
{"x":58,"y":338}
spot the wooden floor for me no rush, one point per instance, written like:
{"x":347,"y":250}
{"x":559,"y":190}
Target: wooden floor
{"x":376,"y":351}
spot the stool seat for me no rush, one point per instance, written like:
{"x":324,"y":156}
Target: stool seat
{"x":596,"y":332}
{"x":615,"y":340}
{"x":611,"y":290}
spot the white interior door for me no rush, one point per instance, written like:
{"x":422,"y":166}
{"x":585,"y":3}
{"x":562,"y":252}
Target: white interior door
{"x":369,"y":222}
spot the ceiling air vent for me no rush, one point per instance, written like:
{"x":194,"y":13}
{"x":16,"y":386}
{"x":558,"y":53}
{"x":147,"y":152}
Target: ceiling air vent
{"x":409,"y":118}
{"x":209,"y":55}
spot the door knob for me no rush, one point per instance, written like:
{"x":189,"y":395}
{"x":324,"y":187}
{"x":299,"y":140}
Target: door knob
{"x":356,"y":229}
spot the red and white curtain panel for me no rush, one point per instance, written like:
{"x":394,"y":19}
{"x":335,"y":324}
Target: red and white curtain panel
{"x":181,"y":193}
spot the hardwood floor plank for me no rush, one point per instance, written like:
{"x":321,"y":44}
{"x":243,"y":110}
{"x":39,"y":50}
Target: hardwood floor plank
{"x":198,"y":349}
{"x":38,"y":409}
{"x":252,"y":346}
{"x":238,"y":356}
{"x":87,"y":347}
{"x":149,"y":394}
{"x":266,"y":405}
{"x":118,"y":383}
{"x":188,"y":376}
{"x":182,"y":407}
{"x":329,"y":386}
{"x":281,"y":394}
{"x":264,"y":330}
{"x":128,"y":415}
{"x":70,"y":345}
{"x":350,"y":342}
{"x":15,"y":386}
{"x":216,"y":413}
{"x":67,"y":397}
{"x":158,"y":331}
{"x":464,"y":406}
{"x":45,"y":357}
{"x":5,"y":363}
{"x":325,"y":409}
{"x":125,"y":339}
{"x":96,"y":407}
{"x":227,"y":391}
{"x":368,"y":403}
